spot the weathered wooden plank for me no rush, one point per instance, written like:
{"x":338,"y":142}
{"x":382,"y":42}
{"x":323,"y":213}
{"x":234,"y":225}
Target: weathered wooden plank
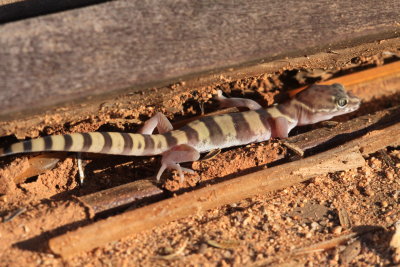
{"x":12,"y":10}
{"x":136,"y":44}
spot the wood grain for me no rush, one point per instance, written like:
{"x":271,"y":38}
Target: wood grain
{"x":138,"y":44}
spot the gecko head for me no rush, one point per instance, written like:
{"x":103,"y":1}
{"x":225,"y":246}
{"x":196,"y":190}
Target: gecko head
{"x":322,"y":102}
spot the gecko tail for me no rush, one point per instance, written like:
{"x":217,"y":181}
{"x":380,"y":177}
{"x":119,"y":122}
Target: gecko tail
{"x":114,"y":143}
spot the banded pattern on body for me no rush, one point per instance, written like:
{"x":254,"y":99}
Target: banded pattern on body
{"x":205,"y":134}
{"x":98,"y":142}
{"x":226,"y":130}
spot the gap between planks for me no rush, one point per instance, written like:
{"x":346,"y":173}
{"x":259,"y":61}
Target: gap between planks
{"x":344,"y":157}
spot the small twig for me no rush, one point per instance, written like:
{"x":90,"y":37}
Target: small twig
{"x":226,"y":244}
{"x":319,"y":247}
{"x":14,"y":214}
{"x":80,"y":168}
{"x":177,"y":253}
{"x":211,"y":154}
{"x":344,"y":218}
{"x":114,"y":167}
{"x":325,"y":245}
{"x":333,"y":52}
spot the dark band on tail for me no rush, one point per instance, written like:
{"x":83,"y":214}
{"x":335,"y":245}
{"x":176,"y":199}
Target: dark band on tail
{"x":148,"y":142}
{"x":128,"y":143}
{"x":7,"y":150}
{"x":48,"y":143}
{"x":107,"y":142}
{"x":68,"y":142}
{"x":27,"y":146}
{"x":87,"y":141}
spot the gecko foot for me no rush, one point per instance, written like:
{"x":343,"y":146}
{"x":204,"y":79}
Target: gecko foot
{"x":174,"y":156}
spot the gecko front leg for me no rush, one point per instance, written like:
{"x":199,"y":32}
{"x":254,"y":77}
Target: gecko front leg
{"x":174,"y":156}
{"x":160,"y":121}
{"x":237,"y":102}
{"x":281,"y":130}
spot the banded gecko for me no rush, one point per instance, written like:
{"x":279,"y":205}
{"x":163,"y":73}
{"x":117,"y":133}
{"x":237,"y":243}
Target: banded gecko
{"x":314,"y":104}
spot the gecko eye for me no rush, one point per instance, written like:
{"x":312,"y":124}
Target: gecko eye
{"x":342,"y":102}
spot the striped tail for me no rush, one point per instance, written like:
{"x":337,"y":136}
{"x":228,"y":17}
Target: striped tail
{"x":97,"y":142}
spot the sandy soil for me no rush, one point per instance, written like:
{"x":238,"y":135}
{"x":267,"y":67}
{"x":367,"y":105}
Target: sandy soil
{"x":257,"y":231}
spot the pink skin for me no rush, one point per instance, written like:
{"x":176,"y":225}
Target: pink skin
{"x":160,"y":121}
{"x":175,"y":155}
{"x":237,"y":102}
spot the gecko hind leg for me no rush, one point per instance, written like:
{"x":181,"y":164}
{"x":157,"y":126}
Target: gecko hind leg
{"x":160,"y":121}
{"x":237,"y":102}
{"x":174,"y":156}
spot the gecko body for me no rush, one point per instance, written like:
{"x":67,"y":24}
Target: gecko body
{"x":314,"y":104}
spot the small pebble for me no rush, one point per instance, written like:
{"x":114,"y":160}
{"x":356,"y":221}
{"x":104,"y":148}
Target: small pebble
{"x":335,"y":256}
{"x":395,"y":241}
{"x":367,"y":171}
{"x":315,"y":226}
{"x":396,"y":257}
{"x":385,"y":204}
{"x":389,"y":175}
{"x":309,"y":235}
{"x":227,"y":254}
{"x":337,"y":230}
{"x":368,"y":191}
{"x":202,"y":248}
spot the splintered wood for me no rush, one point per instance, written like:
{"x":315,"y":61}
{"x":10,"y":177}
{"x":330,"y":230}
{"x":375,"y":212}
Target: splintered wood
{"x":347,"y":156}
{"x":120,"y":195}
